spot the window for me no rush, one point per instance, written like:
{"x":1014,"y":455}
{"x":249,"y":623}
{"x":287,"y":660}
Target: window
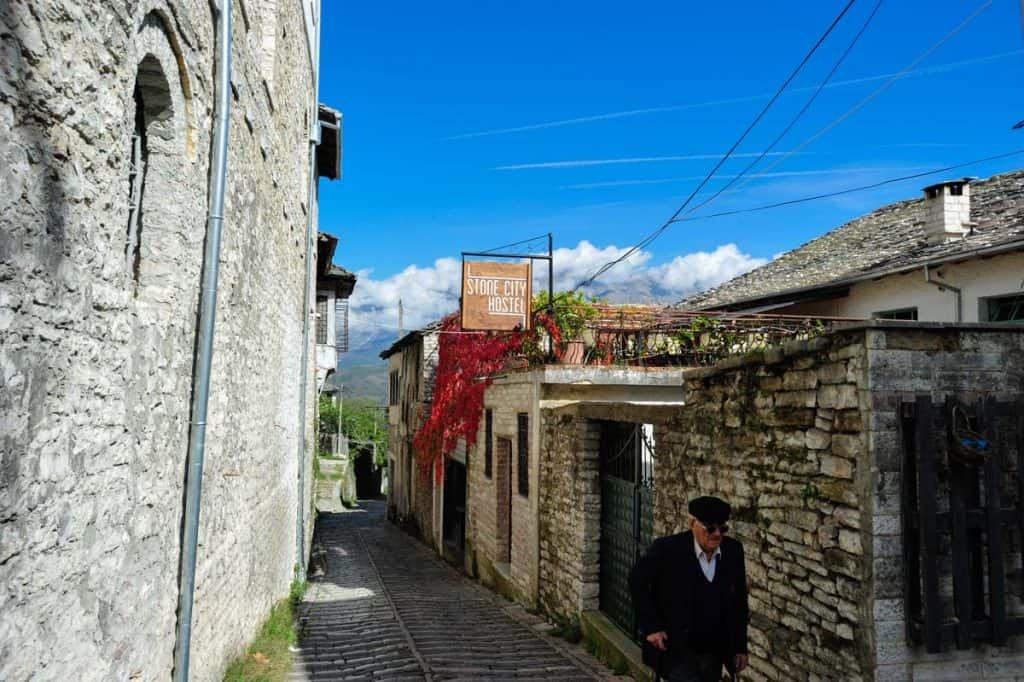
{"x":523,"y":459}
{"x":898,"y":314}
{"x":321,"y":319}
{"x":393,"y":387}
{"x":488,"y":443}
{"x":1005,"y":309}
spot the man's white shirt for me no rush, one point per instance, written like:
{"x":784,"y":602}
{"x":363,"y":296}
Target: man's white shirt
{"x":707,"y":566}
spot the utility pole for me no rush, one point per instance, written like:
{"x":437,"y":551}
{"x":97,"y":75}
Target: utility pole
{"x":400,"y":332}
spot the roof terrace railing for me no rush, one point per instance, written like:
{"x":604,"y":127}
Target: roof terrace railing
{"x":654,"y":336}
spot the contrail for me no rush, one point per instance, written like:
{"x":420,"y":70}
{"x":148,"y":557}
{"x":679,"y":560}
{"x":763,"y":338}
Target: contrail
{"x":782,"y":174}
{"x":924,"y":71}
{"x":610,"y":162}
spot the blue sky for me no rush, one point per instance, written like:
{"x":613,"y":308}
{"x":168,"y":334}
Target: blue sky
{"x":461,"y":129}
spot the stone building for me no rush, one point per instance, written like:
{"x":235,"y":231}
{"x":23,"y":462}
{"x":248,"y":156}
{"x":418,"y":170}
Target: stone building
{"x":412,"y":364}
{"x":334,"y":285}
{"x":954,"y":255}
{"x":505,"y":490}
{"x":105,"y":164}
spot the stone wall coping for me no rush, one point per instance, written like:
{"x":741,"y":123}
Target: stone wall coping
{"x":651,"y":413}
{"x":614,"y":375}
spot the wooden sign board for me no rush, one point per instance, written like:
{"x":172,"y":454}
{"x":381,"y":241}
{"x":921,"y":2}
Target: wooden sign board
{"x":496,"y":296}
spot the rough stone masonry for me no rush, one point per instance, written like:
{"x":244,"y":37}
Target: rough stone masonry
{"x":99,"y":288}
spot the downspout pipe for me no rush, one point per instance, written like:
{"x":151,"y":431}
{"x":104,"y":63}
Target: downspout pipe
{"x":311,"y":229}
{"x":204,"y":342}
{"x":946,"y":287}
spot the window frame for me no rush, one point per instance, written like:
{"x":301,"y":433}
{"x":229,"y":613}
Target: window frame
{"x":489,"y":443}
{"x":894,"y":314}
{"x":1015,"y":299}
{"x":523,"y":453}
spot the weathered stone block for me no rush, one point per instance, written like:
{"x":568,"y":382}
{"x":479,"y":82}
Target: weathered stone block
{"x":847,"y":445}
{"x":850,"y":541}
{"x":817,"y":439}
{"x":796,"y":398}
{"x":836,"y":467}
{"x":838,"y":396}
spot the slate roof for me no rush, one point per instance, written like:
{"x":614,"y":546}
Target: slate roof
{"x":890,"y":239}
{"x":410,"y":338}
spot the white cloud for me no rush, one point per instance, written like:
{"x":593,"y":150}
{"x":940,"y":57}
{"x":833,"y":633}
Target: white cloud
{"x":429,"y":293}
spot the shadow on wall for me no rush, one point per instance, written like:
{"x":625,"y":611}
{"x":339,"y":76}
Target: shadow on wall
{"x":37,"y":184}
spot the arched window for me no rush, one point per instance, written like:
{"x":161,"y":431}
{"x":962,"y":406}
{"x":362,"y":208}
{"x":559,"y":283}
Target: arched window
{"x":154,"y":120}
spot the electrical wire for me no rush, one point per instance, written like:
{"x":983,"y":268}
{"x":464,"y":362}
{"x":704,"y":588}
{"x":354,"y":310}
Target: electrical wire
{"x":879,"y":90}
{"x":654,"y":235}
{"x":851,"y":190}
{"x":524,"y":241}
{"x":797,"y":117}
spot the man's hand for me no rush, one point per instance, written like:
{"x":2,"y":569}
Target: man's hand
{"x":740,"y":662}
{"x":658,"y":639}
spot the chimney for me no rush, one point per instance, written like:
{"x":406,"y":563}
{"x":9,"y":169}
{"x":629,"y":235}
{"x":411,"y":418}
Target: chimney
{"x":947,"y":211}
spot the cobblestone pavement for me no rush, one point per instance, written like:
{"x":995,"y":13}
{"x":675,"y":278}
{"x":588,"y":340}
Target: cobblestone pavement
{"x":389,"y":609}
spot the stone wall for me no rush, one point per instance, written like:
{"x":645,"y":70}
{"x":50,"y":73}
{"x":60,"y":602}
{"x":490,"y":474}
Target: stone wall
{"x":97,"y":330}
{"x":778,"y":435}
{"x":506,"y":398}
{"x":570,"y":500}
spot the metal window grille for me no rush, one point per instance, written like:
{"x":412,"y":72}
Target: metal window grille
{"x":523,"y":458}
{"x":341,"y":325}
{"x":136,"y":171}
{"x":488,"y":443}
{"x":393,"y":387}
{"x":321,"y":320}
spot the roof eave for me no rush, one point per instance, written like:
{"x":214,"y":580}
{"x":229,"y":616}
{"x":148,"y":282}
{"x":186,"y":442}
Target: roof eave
{"x":818,"y":291}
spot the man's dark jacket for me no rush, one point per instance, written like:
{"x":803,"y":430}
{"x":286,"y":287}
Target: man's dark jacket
{"x":663,"y":585}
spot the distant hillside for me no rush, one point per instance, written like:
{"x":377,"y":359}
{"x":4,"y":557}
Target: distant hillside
{"x":364,"y":381}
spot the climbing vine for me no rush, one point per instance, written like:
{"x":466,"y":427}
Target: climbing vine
{"x":466,"y":365}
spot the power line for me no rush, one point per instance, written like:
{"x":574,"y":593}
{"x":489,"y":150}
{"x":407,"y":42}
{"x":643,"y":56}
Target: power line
{"x":799,"y":114}
{"x":851,"y":190}
{"x":880,"y":89}
{"x":654,"y":235}
{"x":524,"y":241}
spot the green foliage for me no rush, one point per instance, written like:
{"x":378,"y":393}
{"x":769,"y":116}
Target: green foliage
{"x":269,"y":658}
{"x":569,"y":631}
{"x":327,"y":414}
{"x":810,"y":492}
{"x":364,"y":423}
{"x":573,"y":309}
{"x":296,"y":592}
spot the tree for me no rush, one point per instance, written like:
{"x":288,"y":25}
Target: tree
{"x":366,"y":425}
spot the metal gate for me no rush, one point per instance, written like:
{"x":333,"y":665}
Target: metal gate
{"x":627,"y":504}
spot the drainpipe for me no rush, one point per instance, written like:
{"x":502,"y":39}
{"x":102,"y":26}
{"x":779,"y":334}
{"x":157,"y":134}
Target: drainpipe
{"x":946,"y":287}
{"x":204,"y":342}
{"x":314,"y":139}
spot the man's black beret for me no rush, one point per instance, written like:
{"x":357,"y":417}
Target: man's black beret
{"x":710,"y":509}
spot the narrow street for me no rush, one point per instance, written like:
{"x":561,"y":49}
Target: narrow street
{"x":387,"y":608}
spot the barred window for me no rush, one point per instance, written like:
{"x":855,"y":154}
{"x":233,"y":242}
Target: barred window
{"x":488,"y":443}
{"x":523,"y":459}
{"x":393,"y":387}
{"x":321,"y":319}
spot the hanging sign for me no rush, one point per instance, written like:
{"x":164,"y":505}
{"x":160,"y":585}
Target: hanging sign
{"x":496,"y":296}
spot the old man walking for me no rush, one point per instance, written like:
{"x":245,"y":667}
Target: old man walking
{"x":690,"y":591}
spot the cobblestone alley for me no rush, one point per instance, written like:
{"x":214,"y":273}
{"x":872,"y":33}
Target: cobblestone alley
{"x":388,"y":609}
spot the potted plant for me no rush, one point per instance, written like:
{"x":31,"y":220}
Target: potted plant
{"x":573,"y":310}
